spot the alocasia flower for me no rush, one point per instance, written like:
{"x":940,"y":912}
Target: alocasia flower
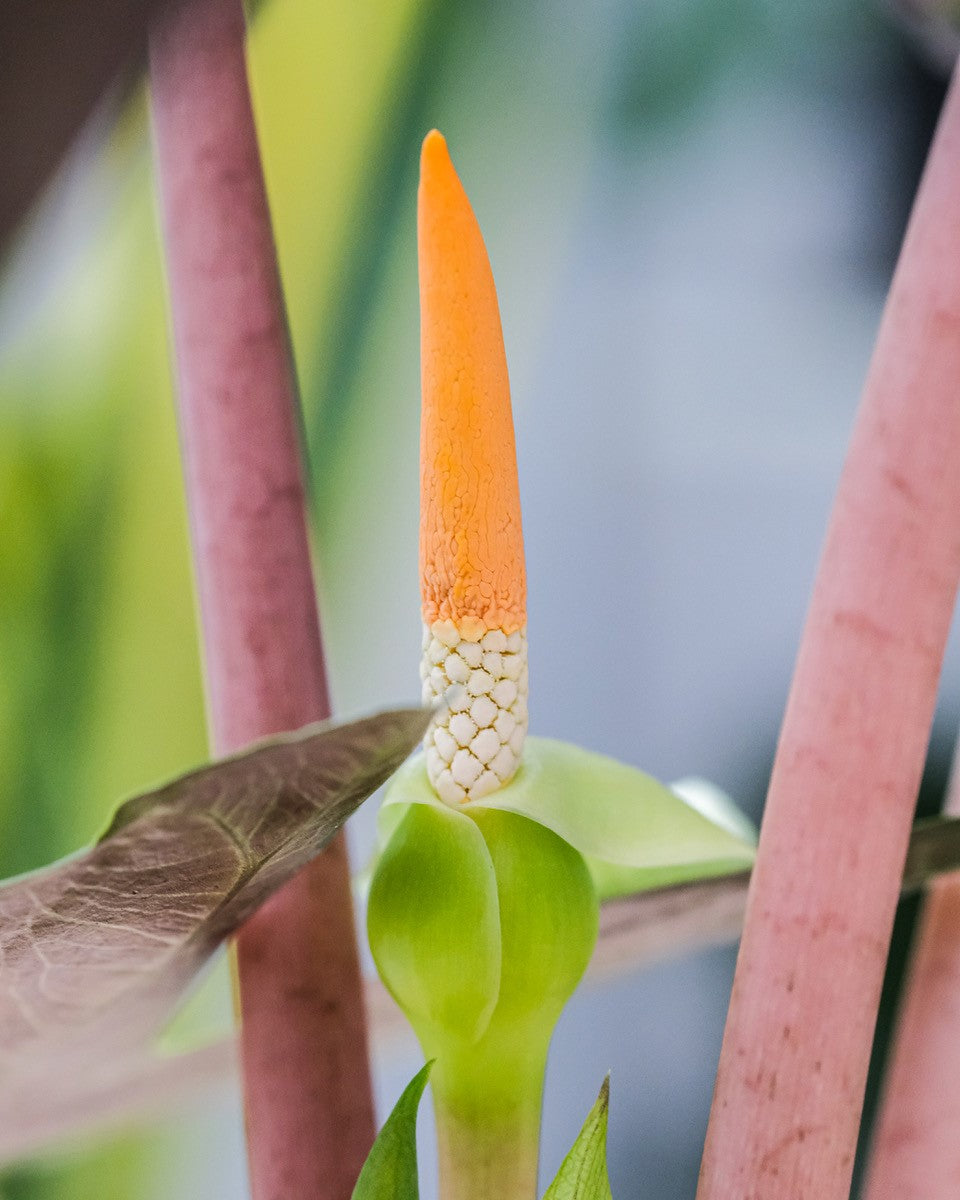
{"x":496,"y":847}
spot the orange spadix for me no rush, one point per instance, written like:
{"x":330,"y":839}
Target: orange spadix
{"x":473,"y":582}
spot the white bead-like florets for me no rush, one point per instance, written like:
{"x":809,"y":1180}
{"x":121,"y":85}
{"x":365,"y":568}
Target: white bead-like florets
{"x":474,"y":746}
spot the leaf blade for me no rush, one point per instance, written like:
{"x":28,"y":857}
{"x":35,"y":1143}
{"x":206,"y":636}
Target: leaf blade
{"x":583,"y":1173}
{"x":391,"y":1166}
{"x":97,"y":948}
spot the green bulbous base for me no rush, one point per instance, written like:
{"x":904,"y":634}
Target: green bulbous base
{"x":481,"y":924}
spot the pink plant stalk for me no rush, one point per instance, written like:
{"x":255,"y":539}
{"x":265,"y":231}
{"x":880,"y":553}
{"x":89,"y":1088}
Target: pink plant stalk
{"x":790,"y":1085}
{"x":916,"y":1145}
{"x":304,"y":1048}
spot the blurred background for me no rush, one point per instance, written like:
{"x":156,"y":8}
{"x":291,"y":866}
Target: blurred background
{"x":693,"y":209}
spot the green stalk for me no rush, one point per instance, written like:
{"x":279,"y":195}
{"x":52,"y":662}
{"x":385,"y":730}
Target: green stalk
{"x":487,"y":1103}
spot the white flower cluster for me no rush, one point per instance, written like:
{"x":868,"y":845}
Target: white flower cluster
{"x":474,"y":746}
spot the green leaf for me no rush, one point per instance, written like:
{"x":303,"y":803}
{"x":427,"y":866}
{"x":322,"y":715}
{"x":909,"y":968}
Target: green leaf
{"x":390,"y":1172}
{"x":583,"y":1173}
{"x":433,"y":923}
{"x":97,"y":949}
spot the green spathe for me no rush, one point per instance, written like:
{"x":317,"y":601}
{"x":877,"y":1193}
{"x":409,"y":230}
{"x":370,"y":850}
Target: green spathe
{"x":475,"y":914}
{"x":434,"y":925}
{"x":481,"y":923}
{"x":549,"y":917}
{"x":583,"y":1173}
{"x":390,"y":1172}
{"x":635,"y":832}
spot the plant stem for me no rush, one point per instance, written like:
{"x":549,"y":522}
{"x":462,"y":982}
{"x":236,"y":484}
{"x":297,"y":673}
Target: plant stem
{"x":487,"y":1103}
{"x":915,"y":1154}
{"x":309,"y":1111}
{"x":916,"y":1150}
{"x":790,"y":1085}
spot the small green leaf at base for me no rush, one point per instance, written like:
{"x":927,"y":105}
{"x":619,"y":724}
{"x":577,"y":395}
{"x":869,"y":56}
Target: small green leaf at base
{"x":583,"y":1173}
{"x":390,"y":1172}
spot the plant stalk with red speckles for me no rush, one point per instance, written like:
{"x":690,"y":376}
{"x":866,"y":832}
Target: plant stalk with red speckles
{"x":789,"y":1092}
{"x":308,"y":1102}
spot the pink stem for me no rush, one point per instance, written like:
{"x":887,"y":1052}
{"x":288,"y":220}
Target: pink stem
{"x":916,"y":1146}
{"x":304,"y":1048}
{"x":915,"y":1153}
{"x":790,"y":1085}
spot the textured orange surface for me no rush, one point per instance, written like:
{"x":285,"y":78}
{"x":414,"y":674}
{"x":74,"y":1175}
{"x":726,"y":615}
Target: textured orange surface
{"x":471,"y":543}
